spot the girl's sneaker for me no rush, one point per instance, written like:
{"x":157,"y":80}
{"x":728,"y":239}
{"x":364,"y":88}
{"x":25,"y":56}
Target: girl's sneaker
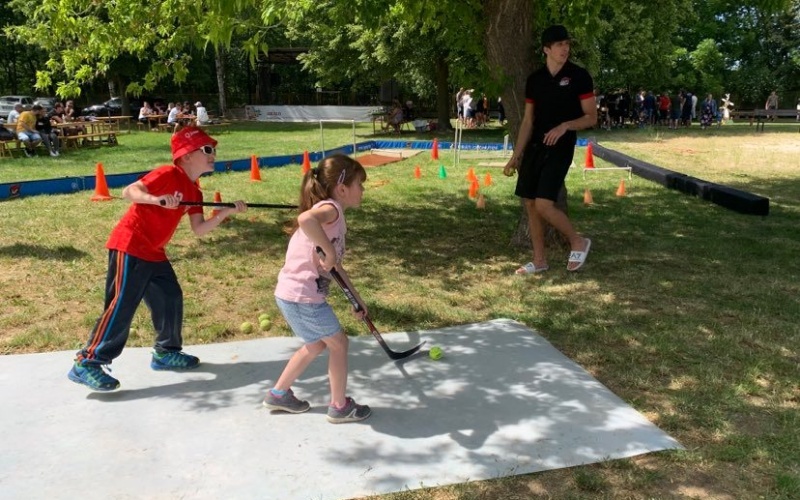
{"x":352,"y":412}
{"x":288,"y":402}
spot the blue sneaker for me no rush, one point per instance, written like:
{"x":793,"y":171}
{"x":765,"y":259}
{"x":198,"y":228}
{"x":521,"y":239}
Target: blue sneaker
{"x":93,"y":376}
{"x":173,"y":361}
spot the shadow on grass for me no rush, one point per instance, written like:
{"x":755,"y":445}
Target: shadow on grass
{"x":63,"y":252}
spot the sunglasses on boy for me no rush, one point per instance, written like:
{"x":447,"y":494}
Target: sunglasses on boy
{"x":208,"y":150}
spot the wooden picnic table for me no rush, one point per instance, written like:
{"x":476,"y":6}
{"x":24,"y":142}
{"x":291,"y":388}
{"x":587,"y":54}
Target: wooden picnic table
{"x":115,"y":122}
{"x":90,"y":132}
{"x":154,"y":120}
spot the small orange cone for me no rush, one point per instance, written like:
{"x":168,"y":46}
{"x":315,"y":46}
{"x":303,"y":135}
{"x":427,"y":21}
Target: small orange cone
{"x":487,"y":181}
{"x":217,"y":199}
{"x":471,"y":174}
{"x":435,"y":150}
{"x":306,"y":162}
{"x":255,"y":172}
{"x":589,"y":156}
{"x":473,"y":189}
{"x":481,"y":202}
{"x":621,"y":188}
{"x":587,"y":197}
{"x":100,"y":186}
{"x":417,"y":172}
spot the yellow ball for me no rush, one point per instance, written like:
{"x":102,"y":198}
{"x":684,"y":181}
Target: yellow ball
{"x":265,"y":324}
{"x":436,"y":352}
{"x":246,"y":327}
{"x":263,"y":316}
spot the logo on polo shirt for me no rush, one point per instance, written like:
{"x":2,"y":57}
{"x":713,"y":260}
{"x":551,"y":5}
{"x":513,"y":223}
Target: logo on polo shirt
{"x":564,"y":81}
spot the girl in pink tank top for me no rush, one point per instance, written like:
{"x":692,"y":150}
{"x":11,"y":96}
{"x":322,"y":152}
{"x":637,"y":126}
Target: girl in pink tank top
{"x":327,"y":190}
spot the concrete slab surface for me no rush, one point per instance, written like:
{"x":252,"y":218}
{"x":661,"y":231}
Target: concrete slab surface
{"x":501,"y":402}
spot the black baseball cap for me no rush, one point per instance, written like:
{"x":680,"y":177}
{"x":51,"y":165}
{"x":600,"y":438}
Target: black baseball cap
{"x":554,"y":33}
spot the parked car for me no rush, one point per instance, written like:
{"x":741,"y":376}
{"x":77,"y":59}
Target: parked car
{"x":112,"y":107}
{"x":48,"y":103}
{"x":8,"y":102}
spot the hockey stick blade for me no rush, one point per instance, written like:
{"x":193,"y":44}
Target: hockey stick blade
{"x":223,"y":204}
{"x":374,"y":331}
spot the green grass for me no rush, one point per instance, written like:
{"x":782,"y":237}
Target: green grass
{"x":686,"y":310}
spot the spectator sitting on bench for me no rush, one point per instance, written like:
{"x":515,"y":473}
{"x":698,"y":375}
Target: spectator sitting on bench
{"x":47,"y":132}
{"x":145,"y":112}
{"x":172,"y":116}
{"x":13,"y":116}
{"x":26,"y":130}
{"x":395,"y":117}
{"x":202,"y":114}
{"x":408,"y":111}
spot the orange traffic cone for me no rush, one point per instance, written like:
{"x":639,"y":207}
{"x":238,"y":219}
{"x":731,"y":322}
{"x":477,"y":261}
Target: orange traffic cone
{"x":217,"y":199}
{"x":587,"y":197}
{"x":255,"y":173}
{"x":417,"y":172}
{"x":435,"y":150}
{"x":306,"y":162}
{"x":589,"y":157}
{"x":621,"y":188}
{"x":471,"y":174}
{"x":100,"y":186}
{"x":487,"y":181}
{"x":481,"y":202}
{"x":473,"y":189}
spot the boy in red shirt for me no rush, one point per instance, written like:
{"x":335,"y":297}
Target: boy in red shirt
{"x":138,"y":267}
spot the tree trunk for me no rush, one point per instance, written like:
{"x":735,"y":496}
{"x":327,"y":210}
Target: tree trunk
{"x":219,"y":58}
{"x":511,"y":52}
{"x":442,"y":93}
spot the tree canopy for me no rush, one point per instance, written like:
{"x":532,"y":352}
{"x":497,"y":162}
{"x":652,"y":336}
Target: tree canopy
{"x":746,"y":48}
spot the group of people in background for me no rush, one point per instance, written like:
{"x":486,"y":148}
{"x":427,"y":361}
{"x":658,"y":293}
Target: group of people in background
{"x":178,"y":115}
{"x":37,"y":126}
{"x":472,"y":110}
{"x":670,"y":109}
{"x":618,"y":109}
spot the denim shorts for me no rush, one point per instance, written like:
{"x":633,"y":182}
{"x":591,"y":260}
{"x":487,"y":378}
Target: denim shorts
{"x":310,"y":322}
{"x":28,"y":136}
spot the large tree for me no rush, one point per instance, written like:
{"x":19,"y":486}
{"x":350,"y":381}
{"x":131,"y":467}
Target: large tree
{"x":133,"y":44}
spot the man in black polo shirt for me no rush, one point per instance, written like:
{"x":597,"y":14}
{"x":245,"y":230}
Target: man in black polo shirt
{"x":559,"y":99}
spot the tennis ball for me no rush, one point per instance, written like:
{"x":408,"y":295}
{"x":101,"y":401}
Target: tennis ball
{"x":265,"y":324}
{"x":246,"y":327}
{"x":262,"y":317}
{"x":436,"y":352}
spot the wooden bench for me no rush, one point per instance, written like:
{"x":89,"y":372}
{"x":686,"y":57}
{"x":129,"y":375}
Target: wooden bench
{"x":94,"y":138}
{"x":218,"y":128}
{"x":761,"y":116}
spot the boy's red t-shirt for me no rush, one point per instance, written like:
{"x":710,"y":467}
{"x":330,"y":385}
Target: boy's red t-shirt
{"x":146,"y":229}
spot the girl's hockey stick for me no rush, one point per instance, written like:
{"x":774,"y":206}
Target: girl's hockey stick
{"x":374,"y":331}
{"x":222,"y":204}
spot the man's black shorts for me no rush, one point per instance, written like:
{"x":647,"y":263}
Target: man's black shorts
{"x":543,"y":171}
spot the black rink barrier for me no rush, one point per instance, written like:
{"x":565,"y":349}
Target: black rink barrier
{"x":724,"y":196}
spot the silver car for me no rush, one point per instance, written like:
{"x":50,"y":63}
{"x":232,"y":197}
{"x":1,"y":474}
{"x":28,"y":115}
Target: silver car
{"x":7,"y":103}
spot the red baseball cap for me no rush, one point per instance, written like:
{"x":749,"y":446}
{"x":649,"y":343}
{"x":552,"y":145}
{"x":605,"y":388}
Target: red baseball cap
{"x":189,"y":139}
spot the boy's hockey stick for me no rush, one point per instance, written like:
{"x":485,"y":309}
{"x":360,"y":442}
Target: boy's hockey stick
{"x":222,"y":204}
{"x":374,"y":331}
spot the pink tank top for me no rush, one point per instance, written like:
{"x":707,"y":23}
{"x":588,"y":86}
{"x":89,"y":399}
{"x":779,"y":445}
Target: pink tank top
{"x":302,"y":279}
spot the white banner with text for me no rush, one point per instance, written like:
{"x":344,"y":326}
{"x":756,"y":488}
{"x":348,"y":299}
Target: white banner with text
{"x":312,"y":113}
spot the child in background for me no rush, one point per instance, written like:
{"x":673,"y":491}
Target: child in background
{"x":138,"y":267}
{"x":327,"y":190}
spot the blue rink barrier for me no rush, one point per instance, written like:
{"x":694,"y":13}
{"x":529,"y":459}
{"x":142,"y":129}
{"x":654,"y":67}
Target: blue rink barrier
{"x":68,"y":185}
